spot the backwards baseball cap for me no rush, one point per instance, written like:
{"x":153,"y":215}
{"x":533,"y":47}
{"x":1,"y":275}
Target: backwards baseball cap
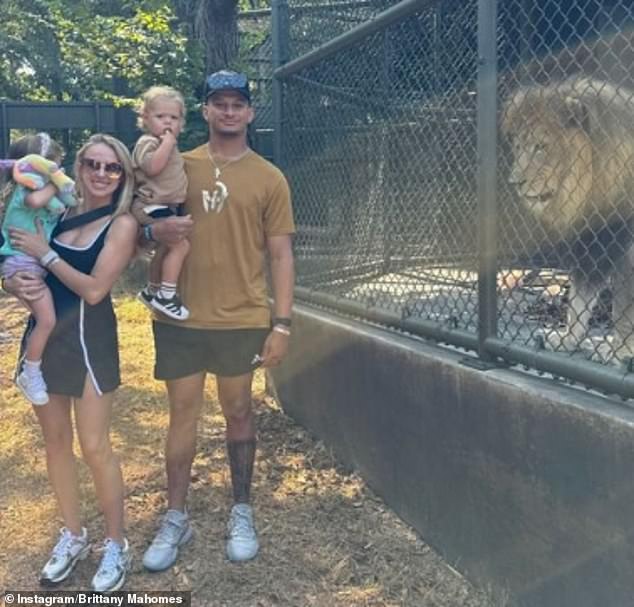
{"x":226,"y":80}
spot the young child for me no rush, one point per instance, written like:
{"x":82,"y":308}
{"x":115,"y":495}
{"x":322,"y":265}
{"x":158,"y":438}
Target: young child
{"x":37,"y":189}
{"x":160,"y":191}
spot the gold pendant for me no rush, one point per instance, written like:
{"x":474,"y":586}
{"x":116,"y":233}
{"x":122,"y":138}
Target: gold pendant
{"x":219,"y":196}
{"x":216,"y":200}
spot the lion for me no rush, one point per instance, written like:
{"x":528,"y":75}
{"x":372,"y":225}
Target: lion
{"x":573,"y":170}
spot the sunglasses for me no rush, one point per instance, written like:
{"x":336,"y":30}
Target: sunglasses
{"x":113,"y":170}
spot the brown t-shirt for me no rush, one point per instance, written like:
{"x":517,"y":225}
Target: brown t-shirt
{"x":169,"y":186}
{"x":223,"y":280}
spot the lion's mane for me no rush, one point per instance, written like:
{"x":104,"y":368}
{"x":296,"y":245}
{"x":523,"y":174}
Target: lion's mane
{"x":573,"y":163}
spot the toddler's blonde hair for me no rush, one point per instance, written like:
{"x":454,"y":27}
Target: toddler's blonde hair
{"x":155,"y":93}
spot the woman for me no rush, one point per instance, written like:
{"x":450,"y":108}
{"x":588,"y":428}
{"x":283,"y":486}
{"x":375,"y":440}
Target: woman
{"x":89,"y":249}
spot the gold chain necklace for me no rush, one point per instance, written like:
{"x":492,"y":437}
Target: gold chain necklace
{"x":218,"y":169}
{"x":215,"y":201}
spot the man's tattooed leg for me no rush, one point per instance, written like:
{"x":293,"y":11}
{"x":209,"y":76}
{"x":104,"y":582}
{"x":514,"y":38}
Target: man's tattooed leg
{"x":241,"y":458}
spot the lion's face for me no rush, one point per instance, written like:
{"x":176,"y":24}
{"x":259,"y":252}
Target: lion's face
{"x":551,"y":168}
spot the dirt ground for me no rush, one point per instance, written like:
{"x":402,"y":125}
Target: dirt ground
{"x":326,"y":539}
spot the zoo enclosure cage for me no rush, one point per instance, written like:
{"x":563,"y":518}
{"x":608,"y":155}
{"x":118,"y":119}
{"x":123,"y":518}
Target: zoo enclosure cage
{"x":406,"y":216}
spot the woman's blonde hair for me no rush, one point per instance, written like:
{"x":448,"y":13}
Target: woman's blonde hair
{"x":124,"y":193}
{"x":153,"y":94}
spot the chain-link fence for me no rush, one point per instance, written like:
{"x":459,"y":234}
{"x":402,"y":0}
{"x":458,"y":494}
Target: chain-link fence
{"x":380,"y":136}
{"x":257,"y":58}
{"x":307,"y":25}
{"x":312,"y":24}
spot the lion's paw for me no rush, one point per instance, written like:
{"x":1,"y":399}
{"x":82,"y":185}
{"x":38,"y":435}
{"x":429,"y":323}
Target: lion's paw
{"x":622,"y":354}
{"x":557,"y":341}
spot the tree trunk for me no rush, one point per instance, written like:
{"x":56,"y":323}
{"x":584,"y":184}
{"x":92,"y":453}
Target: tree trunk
{"x":215,"y":24}
{"x":221,"y":35}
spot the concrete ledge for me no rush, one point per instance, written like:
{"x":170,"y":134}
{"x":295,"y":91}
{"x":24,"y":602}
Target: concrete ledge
{"x":519,"y":482}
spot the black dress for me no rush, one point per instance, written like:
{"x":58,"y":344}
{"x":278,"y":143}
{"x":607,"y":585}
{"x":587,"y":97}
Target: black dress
{"x":84,"y":340}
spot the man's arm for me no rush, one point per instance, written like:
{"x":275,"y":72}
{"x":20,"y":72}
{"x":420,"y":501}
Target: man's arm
{"x":282,"y":274}
{"x":169,"y":231}
{"x":283,"y":278}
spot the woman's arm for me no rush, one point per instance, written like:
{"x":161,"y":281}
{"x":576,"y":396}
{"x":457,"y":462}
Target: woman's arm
{"x":25,"y":285}
{"x":114,"y":257}
{"x":118,"y":249}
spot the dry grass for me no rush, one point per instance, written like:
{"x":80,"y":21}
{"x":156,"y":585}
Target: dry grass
{"x":326,"y":539}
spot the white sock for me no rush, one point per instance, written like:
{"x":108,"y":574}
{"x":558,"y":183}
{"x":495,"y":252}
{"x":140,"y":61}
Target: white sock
{"x":32,"y":367}
{"x":168,"y":290}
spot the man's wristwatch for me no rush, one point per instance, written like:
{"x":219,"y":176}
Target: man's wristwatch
{"x":147,"y":233}
{"x":281,"y":321}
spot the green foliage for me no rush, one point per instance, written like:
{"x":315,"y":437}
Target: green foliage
{"x":88,"y":50}
{"x":111,"y":50}
{"x":26,"y":60}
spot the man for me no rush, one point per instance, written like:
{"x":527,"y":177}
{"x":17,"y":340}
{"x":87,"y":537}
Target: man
{"x":239,"y":210}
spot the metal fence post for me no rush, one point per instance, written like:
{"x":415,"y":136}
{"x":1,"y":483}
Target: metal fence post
{"x":97,"y":117}
{"x":280,"y":35}
{"x":386,"y":156}
{"x":487,"y":174}
{"x":4,"y":131}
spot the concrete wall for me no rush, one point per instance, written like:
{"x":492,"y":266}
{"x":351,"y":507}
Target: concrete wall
{"x":519,"y":481}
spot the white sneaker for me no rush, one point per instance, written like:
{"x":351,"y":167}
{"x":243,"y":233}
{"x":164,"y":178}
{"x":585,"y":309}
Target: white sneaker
{"x":68,"y":550}
{"x":33,"y":387}
{"x":175,"y":531}
{"x":242,"y":542}
{"x":115,"y":562}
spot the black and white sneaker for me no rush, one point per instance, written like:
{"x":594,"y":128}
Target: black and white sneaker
{"x":145,"y":297}
{"x":68,"y":550}
{"x":172,"y":307}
